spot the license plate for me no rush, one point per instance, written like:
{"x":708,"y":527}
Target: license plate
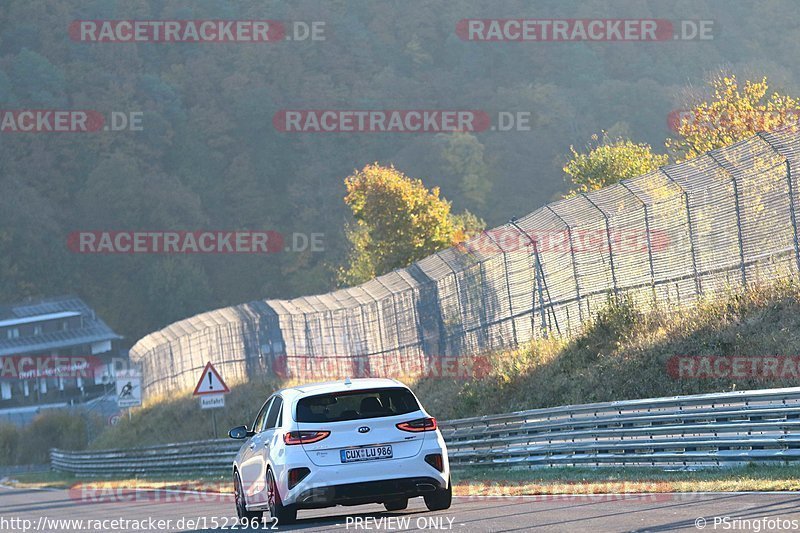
{"x":371,"y":453}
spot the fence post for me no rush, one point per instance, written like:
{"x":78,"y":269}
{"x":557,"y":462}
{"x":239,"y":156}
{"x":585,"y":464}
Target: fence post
{"x":541,"y":283}
{"x":378,"y":319}
{"x":574,"y":263}
{"x":538,"y":281}
{"x":483,"y":334}
{"x":309,"y":336}
{"x":792,"y":213}
{"x":543,"y":317}
{"x":329,"y":314}
{"x":737,"y":207}
{"x":608,"y":237}
{"x":394,"y":309}
{"x":364,"y":329}
{"x":647,"y":234}
{"x":461,"y":313}
{"x":508,"y":288}
{"x":698,"y":287}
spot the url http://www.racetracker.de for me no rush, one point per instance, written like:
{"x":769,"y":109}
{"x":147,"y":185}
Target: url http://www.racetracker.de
{"x":47,"y":524}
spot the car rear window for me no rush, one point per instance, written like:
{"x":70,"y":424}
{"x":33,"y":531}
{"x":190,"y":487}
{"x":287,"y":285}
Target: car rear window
{"x":356,"y":405}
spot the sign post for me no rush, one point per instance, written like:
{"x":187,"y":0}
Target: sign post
{"x":211,"y":389}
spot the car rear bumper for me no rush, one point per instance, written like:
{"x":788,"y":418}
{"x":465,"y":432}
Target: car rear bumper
{"x":366,"y":492}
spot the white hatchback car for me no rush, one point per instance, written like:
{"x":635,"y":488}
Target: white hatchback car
{"x":340,"y":443}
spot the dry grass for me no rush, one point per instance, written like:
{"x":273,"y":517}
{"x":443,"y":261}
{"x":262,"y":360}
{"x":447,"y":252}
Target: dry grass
{"x":623,"y":354}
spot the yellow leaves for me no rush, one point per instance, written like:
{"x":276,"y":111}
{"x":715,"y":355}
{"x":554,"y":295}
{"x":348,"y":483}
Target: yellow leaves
{"x":734,"y":113}
{"x":397,"y":221}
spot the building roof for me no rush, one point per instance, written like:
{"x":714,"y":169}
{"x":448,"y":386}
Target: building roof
{"x":37,"y":318}
{"x":93,"y":328}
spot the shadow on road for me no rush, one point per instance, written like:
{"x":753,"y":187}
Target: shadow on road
{"x":321,"y":521}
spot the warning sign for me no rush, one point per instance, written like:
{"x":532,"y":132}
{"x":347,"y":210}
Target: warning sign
{"x":129,"y":389}
{"x":210,"y":382}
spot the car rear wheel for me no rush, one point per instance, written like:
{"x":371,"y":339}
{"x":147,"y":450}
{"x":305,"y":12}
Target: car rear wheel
{"x":286,"y":514}
{"x":440,"y":499}
{"x":396,"y":505}
{"x":241,"y":502}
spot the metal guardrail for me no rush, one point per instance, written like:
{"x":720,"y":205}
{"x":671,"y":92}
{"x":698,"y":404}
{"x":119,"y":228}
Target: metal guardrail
{"x":705,"y":429}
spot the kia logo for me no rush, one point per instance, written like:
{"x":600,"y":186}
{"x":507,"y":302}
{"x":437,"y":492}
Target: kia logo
{"x":363,"y":429}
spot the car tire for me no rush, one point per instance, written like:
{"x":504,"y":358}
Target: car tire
{"x":286,"y":514}
{"x":396,"y":505}
{"x":440,"y":499}
{"x":241,"y":502}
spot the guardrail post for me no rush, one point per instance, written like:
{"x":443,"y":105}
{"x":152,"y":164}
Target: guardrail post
{"x":698,"y":287}
{"x":737,"y":207}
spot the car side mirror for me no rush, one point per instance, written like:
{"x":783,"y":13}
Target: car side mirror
{"x":240,"y":432}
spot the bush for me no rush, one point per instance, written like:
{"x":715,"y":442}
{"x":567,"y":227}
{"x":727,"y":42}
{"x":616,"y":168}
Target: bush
{"x":52,"y":429}
{"x":9,"y":443}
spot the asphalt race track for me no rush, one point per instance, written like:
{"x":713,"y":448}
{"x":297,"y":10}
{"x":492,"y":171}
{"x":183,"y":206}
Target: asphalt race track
{"x":656,"y":512}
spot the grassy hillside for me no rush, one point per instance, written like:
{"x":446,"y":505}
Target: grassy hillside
{"x":622,"y":355}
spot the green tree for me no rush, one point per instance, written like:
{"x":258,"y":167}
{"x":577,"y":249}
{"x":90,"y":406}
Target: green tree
{"x":731,"y":114}
{"x":464,"y":155}
{"x":608,"y":161}
{"x":397,"y":221}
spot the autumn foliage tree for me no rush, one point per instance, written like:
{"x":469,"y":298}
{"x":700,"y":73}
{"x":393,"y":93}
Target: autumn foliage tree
{"x":732,"y":113}
{"x":607,"y":161}
{"x":397,"y":221}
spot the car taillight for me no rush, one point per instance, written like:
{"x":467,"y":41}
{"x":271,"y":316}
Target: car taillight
{"x":435,"y":460}
{"x":304,"y":437}
{"x":296,"y":475}
{"x":421,"y":424}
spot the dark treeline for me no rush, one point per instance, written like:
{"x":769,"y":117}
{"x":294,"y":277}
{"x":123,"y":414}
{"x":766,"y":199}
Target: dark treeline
{"x":209,"y":157}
